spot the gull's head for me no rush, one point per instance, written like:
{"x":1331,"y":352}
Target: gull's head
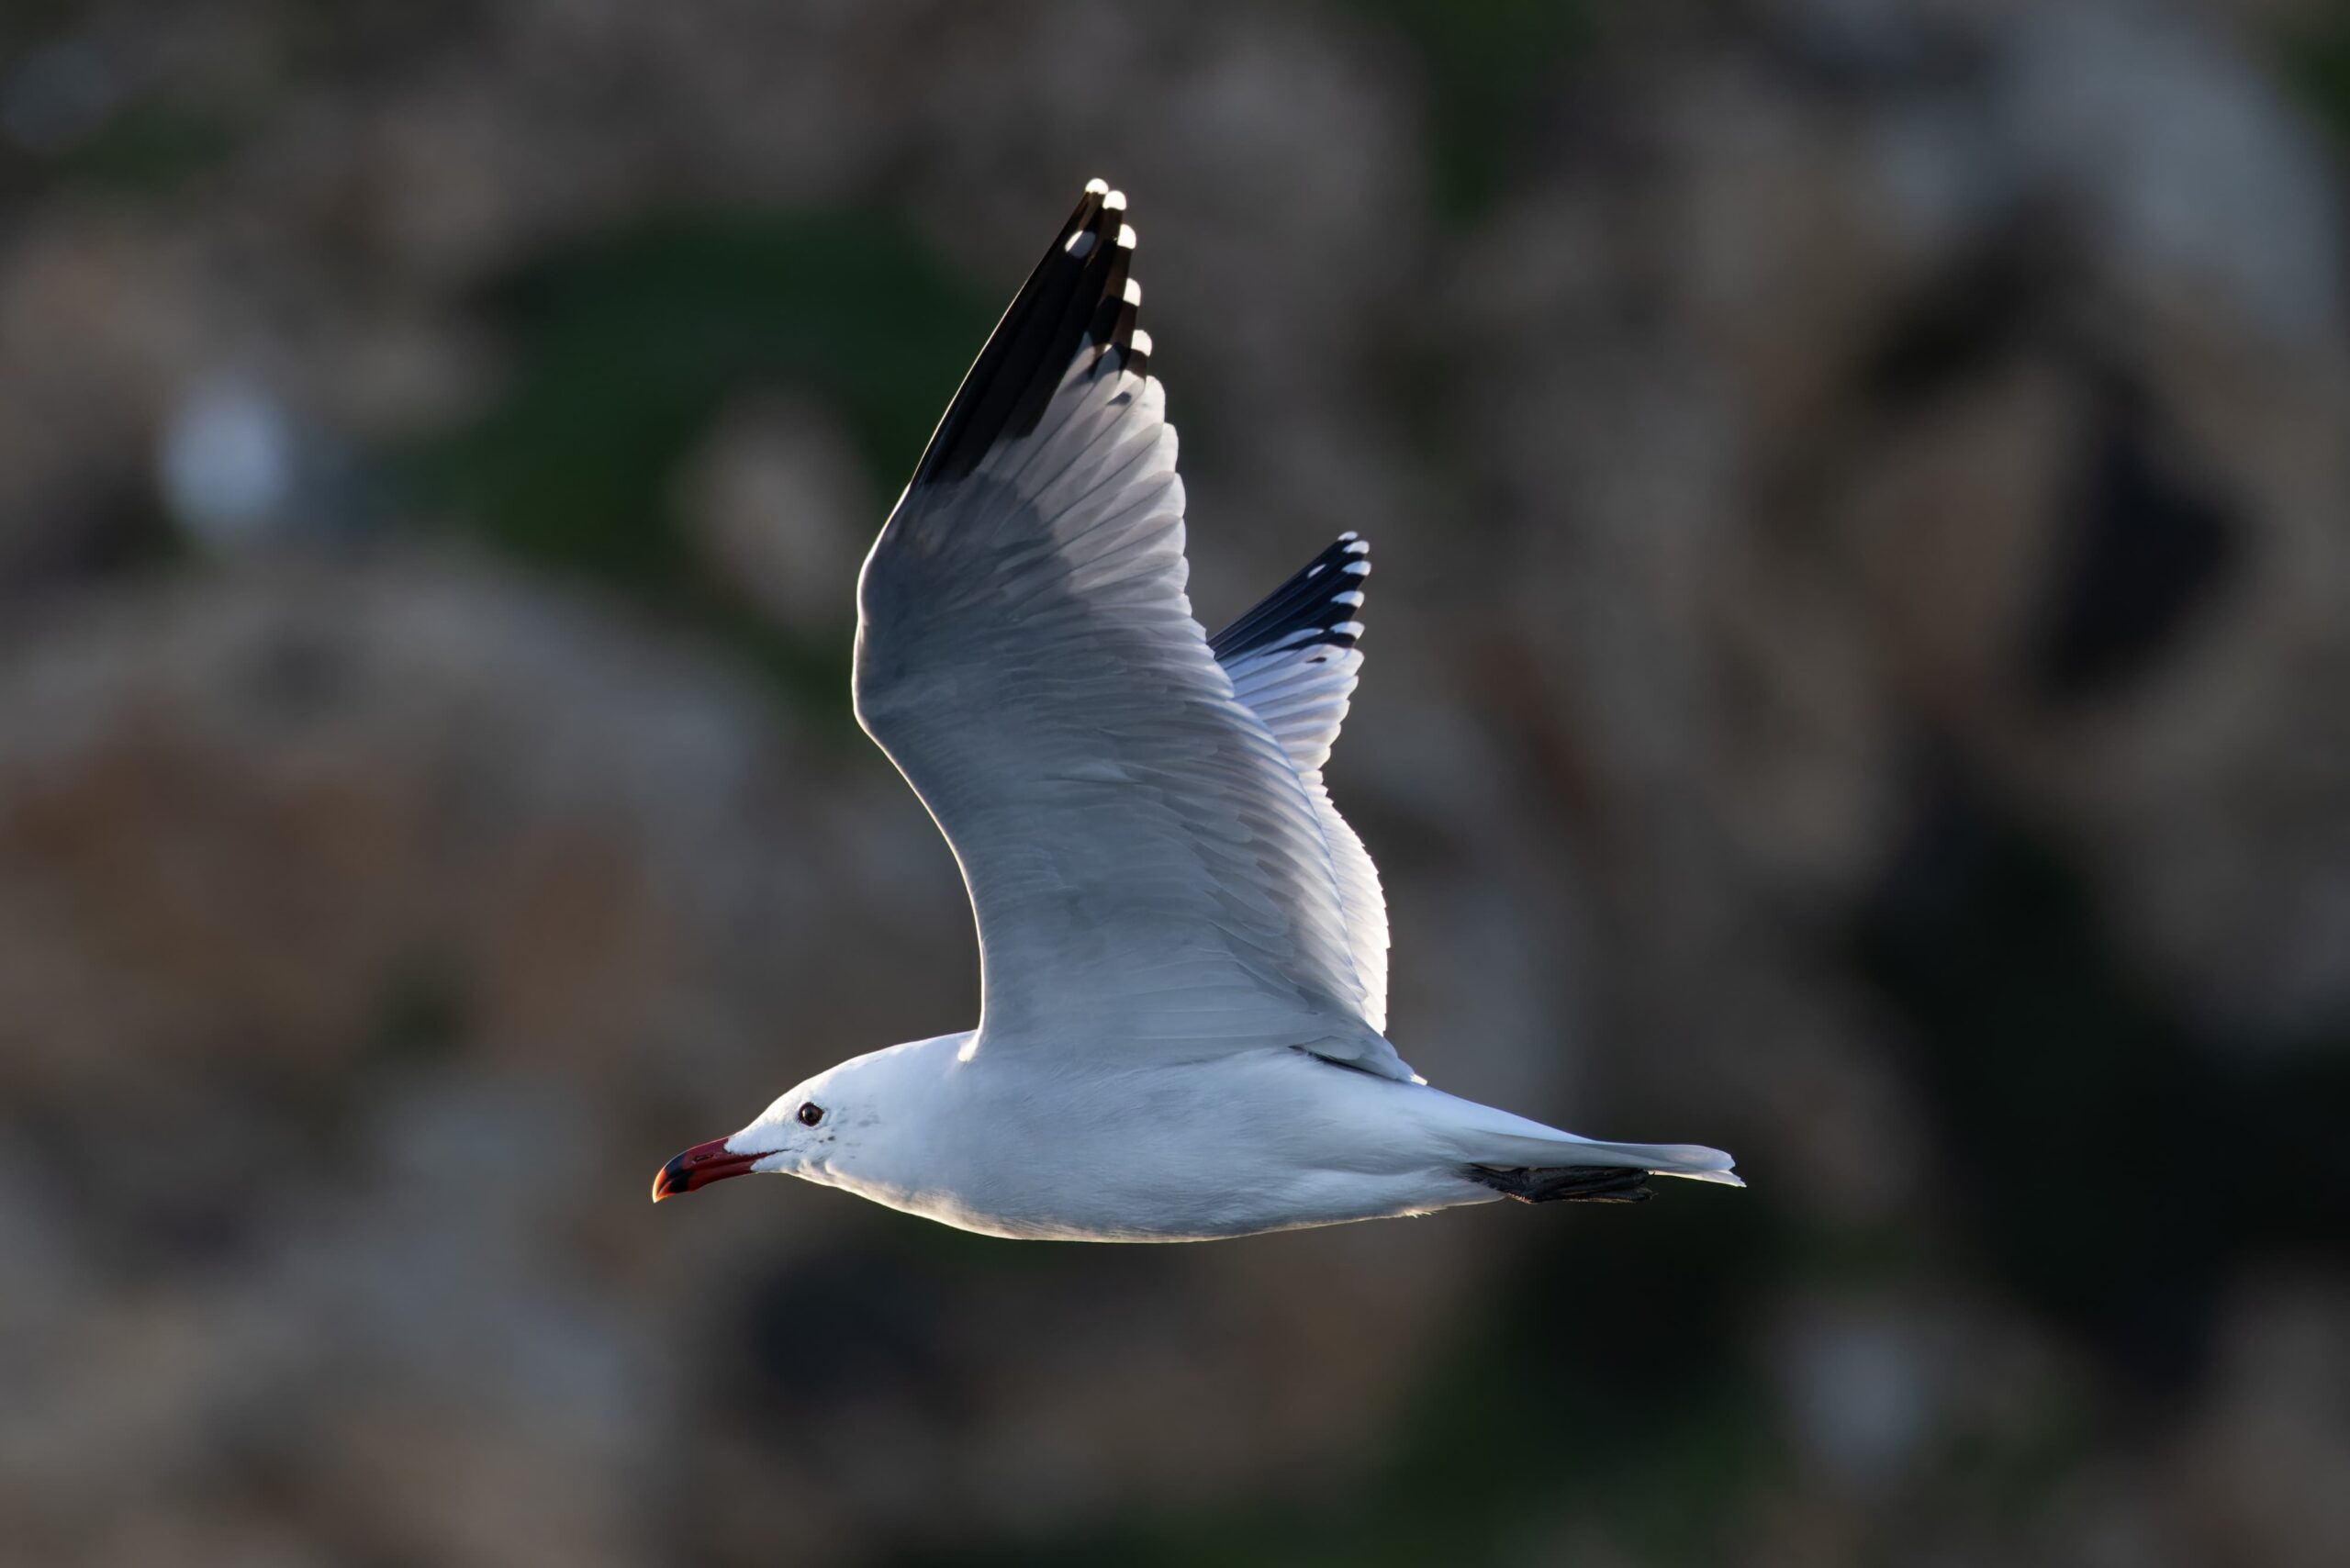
{"x":815,"y":1128}
{"x":798,"y":1130}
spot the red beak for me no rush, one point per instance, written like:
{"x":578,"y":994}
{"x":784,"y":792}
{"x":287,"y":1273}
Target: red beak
{"x":699,"y":1167}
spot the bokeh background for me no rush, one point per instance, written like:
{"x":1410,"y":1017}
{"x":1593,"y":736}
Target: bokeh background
{"x":1859,"y":673}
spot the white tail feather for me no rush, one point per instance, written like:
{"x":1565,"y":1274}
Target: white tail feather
{"x":1692,"y":1160}
{"x":1484,"y":1135}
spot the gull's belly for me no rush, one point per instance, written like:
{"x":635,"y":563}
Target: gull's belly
{"x":1269,"y":1141}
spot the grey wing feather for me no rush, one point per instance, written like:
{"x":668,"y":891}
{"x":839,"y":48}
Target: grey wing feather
{"x":1292,"y":659}
{"x":1147,"y":869}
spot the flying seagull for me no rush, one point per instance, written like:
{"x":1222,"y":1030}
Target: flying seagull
{"x":1183,"y":946}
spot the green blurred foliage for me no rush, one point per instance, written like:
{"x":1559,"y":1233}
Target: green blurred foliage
{"x":1486,"y":63}
{"x":149,"y":149}
{"x":624,"y":350}
{"x":2317,"y":63}
{"x":1611,"y":1380}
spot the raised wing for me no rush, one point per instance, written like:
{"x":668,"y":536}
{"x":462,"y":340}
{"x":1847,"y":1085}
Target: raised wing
{"x":1293,"y":660}
{"x":1146,"y":867}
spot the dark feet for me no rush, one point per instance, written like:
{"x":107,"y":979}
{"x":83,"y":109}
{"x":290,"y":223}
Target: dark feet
{"x":1564,"y":1183}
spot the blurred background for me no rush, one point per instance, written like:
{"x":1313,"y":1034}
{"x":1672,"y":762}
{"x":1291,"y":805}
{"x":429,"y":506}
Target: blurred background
{"x":1859,"y":674}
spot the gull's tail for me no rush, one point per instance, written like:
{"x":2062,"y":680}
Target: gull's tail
{"x":1604,"y":1172}
{"x":1527,"y":1160}
{"x":1691,"y":1161}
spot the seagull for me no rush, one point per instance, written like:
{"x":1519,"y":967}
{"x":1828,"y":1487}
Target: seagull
{"x":1183,"y":946}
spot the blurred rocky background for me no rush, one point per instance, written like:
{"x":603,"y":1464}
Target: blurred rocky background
{"x":1859,"y":674}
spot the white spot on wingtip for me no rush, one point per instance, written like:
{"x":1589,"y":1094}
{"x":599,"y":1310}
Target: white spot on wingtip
{"x":1351,"y":596}
{"x":1358,"y":547}
{"x":1349,"y":535}
{"x":1134,"y":292}
{"x":1115,"y":201}
{"x":1097,"y":187}
{"x":1126,"y":235}
{"x":1142,"y":342}
{"x":1358,"y":568}
{"x":1349,"y":628}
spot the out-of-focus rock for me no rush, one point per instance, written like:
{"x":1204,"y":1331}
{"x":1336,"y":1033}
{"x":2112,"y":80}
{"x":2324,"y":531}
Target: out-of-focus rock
{"x":2262,"y":1474}
{"x":355,"y":916}
{"x":776,"y":500}
{"x":1940,"y":405}
{"x":1835,"y":409}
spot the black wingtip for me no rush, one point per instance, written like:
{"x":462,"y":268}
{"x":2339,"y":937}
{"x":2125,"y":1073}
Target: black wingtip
{"x":1077,"y":293}
{"x":1321,"y":604}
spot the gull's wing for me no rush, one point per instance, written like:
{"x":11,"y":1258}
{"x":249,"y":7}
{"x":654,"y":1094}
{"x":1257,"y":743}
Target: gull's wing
{"x":1293,"y":660}
{"x":1147,"y":869}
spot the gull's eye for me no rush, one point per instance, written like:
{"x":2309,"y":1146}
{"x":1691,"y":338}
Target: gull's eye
{"x":811,"y":1113}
